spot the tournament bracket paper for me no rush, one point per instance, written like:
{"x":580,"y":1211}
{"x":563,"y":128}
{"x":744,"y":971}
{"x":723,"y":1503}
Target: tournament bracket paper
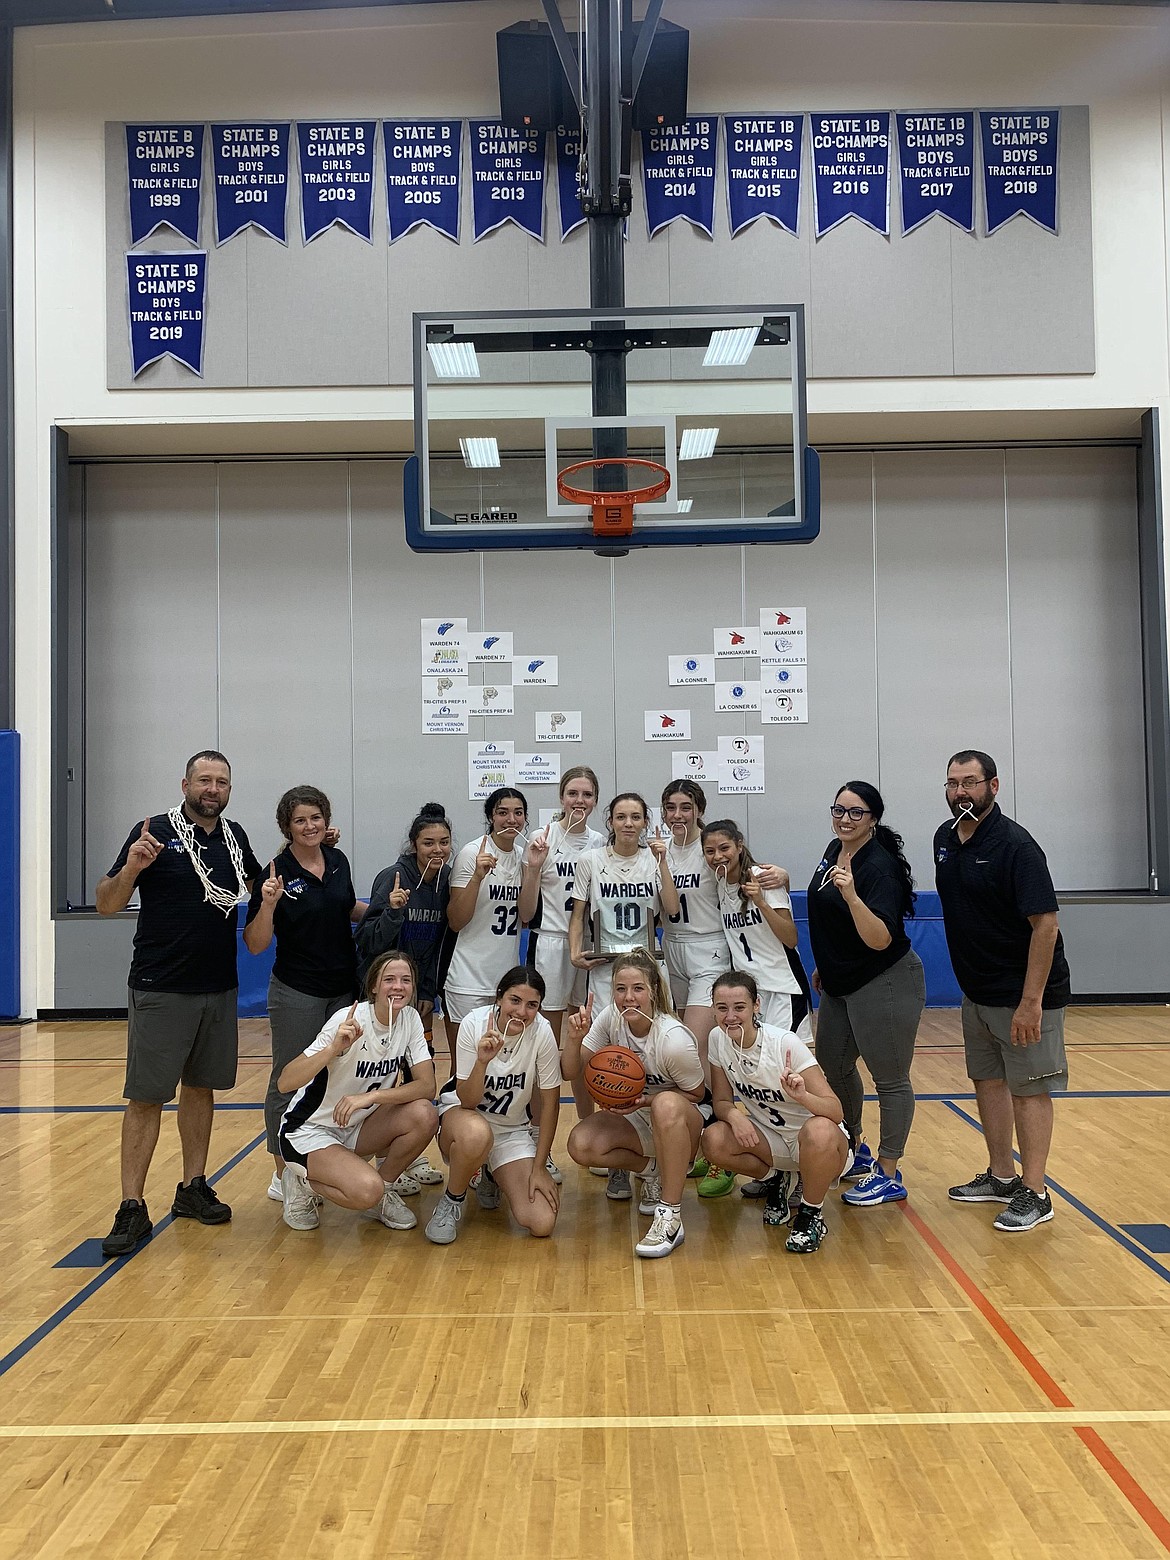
{"x":784,"y":695}
{"x":851,"y":170}
{"x":535,"y":671}
{"x":694,"y":764}
{"x":537,"y":768}
{"x":667,"y":725}
{"x":1020,"y":160}
{"x":337,"y":176}
{"x":444,"y":647}
{"x":741,"y":766}
{"x":165,"y":302}
{"x":731,"y":696}
{"x":687,"y":670}
{"x":493,"y":699}
{"x":164,"y":169}
{"x":491,"y":647}
{"x":737,"y":641}
{"x":558,"y":725}
{"x":422,"y":175}
{"x":507,"y":179}
{"x":489,"y":766}
{"x":763,"y":154}
{"x":250,"y":168}
{"x":937,"y":164}
{"x":445,"y":707}
{"x":678,"y":174}
{"x":783,"y":636}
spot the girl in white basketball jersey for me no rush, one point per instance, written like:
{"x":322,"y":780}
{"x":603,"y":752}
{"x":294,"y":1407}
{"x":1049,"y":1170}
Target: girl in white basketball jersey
{"x":657,"y":1134}
{"x":491,"y":896}
{"x":505,"y":1054}
{"x":620,"y":890}
{"x":759,"y":928}
{"x":555,"y":851}
{"x":791,"y":1126}
{"x":352,"y":1099}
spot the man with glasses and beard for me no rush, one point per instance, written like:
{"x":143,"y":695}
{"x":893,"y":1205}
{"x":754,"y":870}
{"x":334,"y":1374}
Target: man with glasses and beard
{"x":1000,"y":914}
{"x":189,"y":867}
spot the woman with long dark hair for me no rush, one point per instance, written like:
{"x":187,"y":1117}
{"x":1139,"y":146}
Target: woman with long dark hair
{"x":870,"y":981}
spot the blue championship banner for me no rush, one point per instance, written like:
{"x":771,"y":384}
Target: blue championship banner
{"x":507,"y":179}
{"x":250,"y":165}
{"x":422,"y":175}
{"x":1020,"y":157}
{"x":678,"y":174}
{"x":851,"y":170}
{"x":166,"y":296}
{"x":568,"y":159}
{"x":164,"y":165}
{"x":337,"y":176}
{"x":763,"y":169}
{"x":938,"y":168}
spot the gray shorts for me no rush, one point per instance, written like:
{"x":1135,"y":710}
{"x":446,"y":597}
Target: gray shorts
{"x":174,"y":1037}
{"x":1040,"y":1068}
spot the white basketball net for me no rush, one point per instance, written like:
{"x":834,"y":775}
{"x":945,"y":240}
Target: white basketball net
{"x":224,"y":899}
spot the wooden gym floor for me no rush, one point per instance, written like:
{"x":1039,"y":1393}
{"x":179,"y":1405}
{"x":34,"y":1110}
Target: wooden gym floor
{"x":920,"y":1388}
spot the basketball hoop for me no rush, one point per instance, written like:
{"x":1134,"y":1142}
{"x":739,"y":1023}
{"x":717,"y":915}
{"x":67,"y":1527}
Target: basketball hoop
{"x":613,"y":513}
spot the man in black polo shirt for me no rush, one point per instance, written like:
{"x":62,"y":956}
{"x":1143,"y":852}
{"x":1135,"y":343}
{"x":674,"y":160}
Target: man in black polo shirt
{"x":190,"y":867}
{"x":1000,"y":913}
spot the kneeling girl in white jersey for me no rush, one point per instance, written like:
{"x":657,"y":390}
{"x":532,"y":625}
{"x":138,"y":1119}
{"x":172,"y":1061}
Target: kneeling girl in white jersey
{"x":657,"y":1134}
{"x":351,"y":1100}
{"x":504,"y":1053}
{"x":620,"y":889}
{"x":791,"y":1125}
{"x":760,"y":931}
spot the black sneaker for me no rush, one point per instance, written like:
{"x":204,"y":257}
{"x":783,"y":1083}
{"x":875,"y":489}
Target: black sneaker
{"x":198,"y":1201}
{"x":776,"y":1190}
{"x":131,"y":1227}
{"x":1026,"y":1210}
{"x":986,"y":1187}
{"x":808,"y":1231}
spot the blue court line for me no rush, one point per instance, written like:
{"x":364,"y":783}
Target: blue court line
{"x":1111,"y":1230}
{"x":83,"y":1110}
{"x":16,"y":1354}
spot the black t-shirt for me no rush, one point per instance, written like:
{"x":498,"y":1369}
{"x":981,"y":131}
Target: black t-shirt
{"x":183,"y":944}
{"x":314,"y":939}
{"x":989,"y":886}
{"x":844,"y":962}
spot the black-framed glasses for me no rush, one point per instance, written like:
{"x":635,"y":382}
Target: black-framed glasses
{"x":856,"y":813}
{"x":968,"y":783}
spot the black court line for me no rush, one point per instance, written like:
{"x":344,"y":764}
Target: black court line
{"x":50,"y":1325}
{"x":1115,"y":1234}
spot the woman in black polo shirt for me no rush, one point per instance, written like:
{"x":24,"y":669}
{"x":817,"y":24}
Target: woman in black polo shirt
{"x":306,"y":900}
{"x":870,"y":980}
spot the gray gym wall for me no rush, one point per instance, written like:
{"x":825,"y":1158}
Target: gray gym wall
{"x":982,"y":597}
{"x":337,"y":311}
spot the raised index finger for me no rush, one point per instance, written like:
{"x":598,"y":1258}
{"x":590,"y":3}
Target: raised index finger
{"x":145,"y":830}
{"x":397,"y":881}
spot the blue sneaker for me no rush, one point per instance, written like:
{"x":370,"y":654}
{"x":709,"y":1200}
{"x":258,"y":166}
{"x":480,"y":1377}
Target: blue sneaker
{"x":876,"y":1188}
{"x":863,"y":1164}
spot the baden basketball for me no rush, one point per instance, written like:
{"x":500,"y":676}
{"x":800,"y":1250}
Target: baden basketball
{"x":614,"y":1076}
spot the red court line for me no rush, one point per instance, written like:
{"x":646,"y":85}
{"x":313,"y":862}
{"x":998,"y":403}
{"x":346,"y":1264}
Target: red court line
{"x":1152,"y":1515}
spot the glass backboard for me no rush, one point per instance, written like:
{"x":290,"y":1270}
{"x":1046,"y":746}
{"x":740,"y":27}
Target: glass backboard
{"x":505,"y":402}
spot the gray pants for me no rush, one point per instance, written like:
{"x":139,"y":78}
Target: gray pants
{"x":296,"y":1020}
{"x":879,"y":1022}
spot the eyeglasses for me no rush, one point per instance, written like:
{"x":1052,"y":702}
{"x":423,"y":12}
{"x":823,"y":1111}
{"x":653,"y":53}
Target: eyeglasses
{"x":856,"y":813}
{"x":966,"y":784}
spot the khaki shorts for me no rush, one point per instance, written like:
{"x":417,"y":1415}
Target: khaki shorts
{"x":1026,"y":1069}
{"x":174,"y":1037}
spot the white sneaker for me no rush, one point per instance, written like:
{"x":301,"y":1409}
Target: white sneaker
{"x":275,"y":1190}
{"x":651,"y":1194}
{"x":618,"y":1189}
{"x":391,"y":1211}
{"x":300,"y":1205}
{"x":550,"y":1166}
{"x":663,"y":1235}
{"x":598,"y":1170}
{"x":424,"y":1172}
{"x":443,"y":1225}
{"x":407,"y":1185}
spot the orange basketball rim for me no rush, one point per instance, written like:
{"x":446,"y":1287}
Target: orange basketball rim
{"x":613,"y":513}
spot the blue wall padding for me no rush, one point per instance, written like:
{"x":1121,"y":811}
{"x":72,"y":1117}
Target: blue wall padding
{"x":926,"y":936}
{"x":9,"y":874}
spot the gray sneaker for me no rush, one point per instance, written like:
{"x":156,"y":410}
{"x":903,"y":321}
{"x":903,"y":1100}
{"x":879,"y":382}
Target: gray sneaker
{"x":300,"y":1205}
{"x":391,"y":1211}
{"x":651,"y":1194}
{"x":487,"y":1190}
{"x":985,"y":1188}
{"x":664,"y":1235}
{"x":618,"y":1186}
{"x":443,"y":1224}
{"x":1025,"y":1211}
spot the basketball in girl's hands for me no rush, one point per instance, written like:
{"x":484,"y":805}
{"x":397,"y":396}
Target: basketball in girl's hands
{"x":614,"y":1076}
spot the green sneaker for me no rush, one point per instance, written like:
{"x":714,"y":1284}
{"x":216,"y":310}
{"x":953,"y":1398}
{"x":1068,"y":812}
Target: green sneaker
{"x":698,"y":1170}
{"x":717,"y":1183}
